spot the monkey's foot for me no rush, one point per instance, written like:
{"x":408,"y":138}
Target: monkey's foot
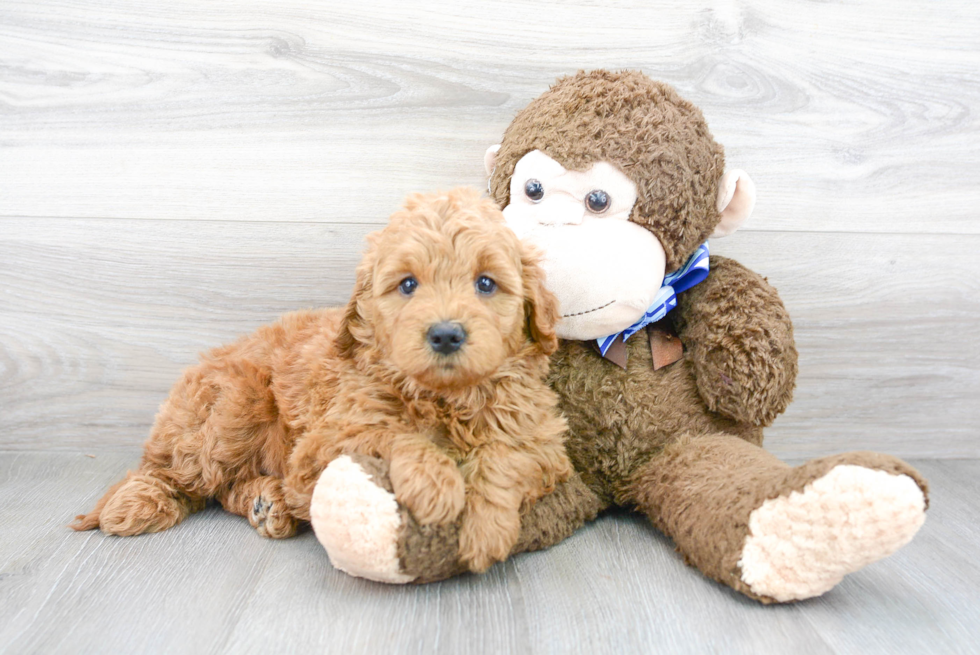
{"x":802,"y":544}
{"x":358,"y":521}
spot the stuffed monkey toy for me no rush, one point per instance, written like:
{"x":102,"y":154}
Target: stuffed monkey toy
{"x":671,"y":364}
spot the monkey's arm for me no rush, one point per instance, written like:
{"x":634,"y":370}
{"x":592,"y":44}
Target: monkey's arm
{"x":367,"y":533}
{"x":739,"y":338}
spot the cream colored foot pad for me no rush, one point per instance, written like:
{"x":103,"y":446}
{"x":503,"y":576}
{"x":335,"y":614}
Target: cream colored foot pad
{"x":357,"y":522}
{"x":801,"y":545}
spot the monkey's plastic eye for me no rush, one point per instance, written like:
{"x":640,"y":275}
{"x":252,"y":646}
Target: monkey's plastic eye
{"x":534,"y":190}
{"x":485,"y":285}
{"x":408,"y":286}
{"x":597,"y":201}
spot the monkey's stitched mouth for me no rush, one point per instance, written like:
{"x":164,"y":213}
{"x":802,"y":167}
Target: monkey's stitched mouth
{"x":588,"y":311}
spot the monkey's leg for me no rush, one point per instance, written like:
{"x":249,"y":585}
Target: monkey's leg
{"x":368,"y":534}
{"x":774,"y":532}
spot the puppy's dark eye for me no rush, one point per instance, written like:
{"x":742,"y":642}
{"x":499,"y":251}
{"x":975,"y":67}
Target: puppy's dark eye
{"x":597,"y":201}
{"x":408,"y":286}
{"x":485,"y":285}
{"x":534,"y":190}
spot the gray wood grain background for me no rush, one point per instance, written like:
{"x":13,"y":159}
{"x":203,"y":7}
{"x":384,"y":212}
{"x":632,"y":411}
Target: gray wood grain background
{"x":173,"y":175}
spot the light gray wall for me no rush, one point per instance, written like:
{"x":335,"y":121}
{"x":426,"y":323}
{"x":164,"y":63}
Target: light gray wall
{"x":174,"y":174}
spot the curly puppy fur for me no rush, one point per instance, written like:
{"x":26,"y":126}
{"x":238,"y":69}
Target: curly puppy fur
{"x":473,"y":431}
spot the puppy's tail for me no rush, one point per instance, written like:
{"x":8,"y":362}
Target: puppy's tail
{"x":90,"y":521}
{"x":136,"y":504}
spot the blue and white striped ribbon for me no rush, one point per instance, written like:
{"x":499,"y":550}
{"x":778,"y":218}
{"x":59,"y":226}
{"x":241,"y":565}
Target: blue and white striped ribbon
{"x":694,"y":270}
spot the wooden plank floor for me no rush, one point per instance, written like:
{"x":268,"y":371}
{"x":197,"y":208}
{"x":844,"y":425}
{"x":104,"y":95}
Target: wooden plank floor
{"x":212,"y":585}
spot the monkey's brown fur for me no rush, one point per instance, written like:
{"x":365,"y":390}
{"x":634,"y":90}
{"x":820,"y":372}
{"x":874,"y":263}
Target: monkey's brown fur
{"x":682,"y":443}
{"x":474,"y":432}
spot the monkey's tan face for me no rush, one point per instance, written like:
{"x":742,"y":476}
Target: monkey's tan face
{"x":605,"y":270}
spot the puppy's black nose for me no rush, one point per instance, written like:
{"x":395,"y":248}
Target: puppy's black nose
{"x":446,"y":337}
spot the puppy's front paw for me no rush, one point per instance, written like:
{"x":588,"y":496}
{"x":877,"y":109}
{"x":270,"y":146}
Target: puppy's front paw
{"x":487,"y":536}
{"x":432,"y":491}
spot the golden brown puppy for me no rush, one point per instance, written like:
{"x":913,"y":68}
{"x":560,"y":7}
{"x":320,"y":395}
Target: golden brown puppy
{"x":437,"y":365}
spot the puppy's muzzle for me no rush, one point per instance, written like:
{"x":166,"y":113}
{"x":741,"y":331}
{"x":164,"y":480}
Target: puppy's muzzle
{"x":446,"y":337}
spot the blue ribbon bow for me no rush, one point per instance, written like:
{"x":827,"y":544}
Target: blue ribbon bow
{"x":694,"y":270}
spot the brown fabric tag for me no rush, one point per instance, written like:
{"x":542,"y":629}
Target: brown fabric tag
{"x":665,"y":347}
{"x":616,"y":353}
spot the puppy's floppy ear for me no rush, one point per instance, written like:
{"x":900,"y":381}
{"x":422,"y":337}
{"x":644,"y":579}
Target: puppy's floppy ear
{"x":540,"y":305}
{"x":353,"y":327}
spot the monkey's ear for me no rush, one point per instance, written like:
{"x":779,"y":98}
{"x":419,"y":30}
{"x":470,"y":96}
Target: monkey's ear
{"x":490,"y":158}
{"x":736,"y":199}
